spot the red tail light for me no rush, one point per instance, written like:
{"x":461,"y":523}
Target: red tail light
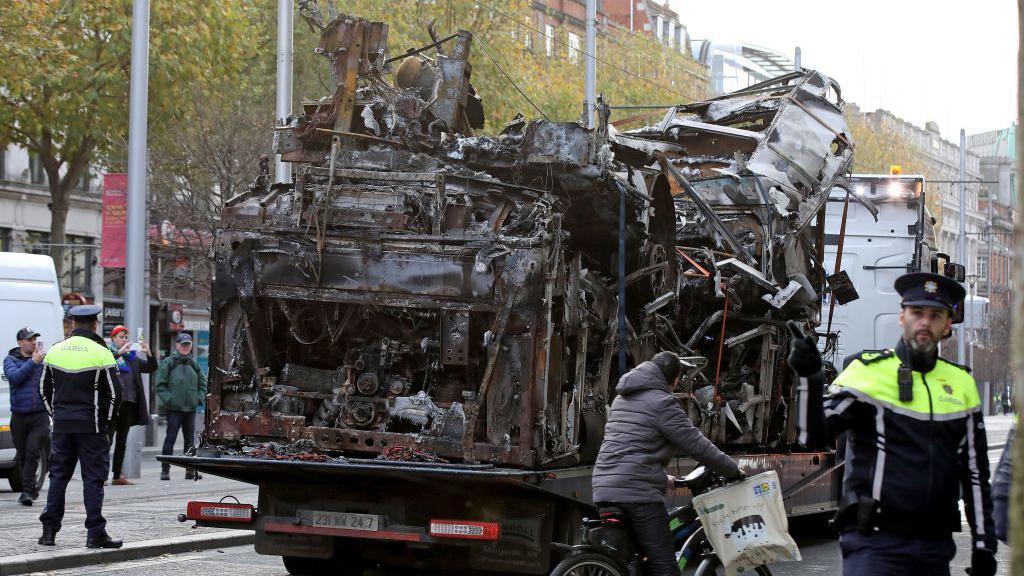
{"x":219,"y":512}
{"x":465,"y":529}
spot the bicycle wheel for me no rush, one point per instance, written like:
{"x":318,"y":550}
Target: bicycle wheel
{"x":588,"y":564}
{"x":712,"y":566}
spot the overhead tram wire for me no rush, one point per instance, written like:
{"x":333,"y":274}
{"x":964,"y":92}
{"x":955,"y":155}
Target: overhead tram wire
{"x":605,"y":62}
{"x":483,"y":47}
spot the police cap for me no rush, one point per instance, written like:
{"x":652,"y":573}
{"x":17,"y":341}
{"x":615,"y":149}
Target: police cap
{"x":85,"y":312}
{"x":931,"y":290}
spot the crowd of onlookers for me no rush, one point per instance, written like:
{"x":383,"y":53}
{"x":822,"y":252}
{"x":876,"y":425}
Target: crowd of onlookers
{"x":79,"y":398}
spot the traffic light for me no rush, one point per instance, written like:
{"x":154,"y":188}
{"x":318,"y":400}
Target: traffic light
{"x":895,"y":170}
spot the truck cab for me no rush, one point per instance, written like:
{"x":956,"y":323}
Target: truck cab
{"x":888,"y":232}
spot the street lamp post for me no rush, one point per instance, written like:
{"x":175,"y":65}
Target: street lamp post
{"x":135,"y":299}
{"x":972,"y":281}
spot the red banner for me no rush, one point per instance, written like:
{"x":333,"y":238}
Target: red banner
{"x":115,"y":220}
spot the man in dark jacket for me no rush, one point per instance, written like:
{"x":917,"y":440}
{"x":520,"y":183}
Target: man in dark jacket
{"x":81,"y":392}
{"x":30,"y":425}
{"x":181,"y":388}
{"x":134,"y":410}
{"x":646,"y":428}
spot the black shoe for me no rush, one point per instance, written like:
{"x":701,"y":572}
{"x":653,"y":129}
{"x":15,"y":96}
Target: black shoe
{"x":49,"y":536}
{"x":25,"y":499}
{"x":165,"y":476}
{"x":193,"y":475}
{"x":104,"y":541}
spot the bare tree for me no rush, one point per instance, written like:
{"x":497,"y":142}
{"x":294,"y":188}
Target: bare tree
{"x":194,"y":170}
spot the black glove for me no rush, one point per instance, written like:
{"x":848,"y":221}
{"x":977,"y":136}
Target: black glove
{"x":804,"y":357}
{"x":737,"y":474}
{"x":983,"y":563}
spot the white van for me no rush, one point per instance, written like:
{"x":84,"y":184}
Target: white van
{"x":29,"y":296}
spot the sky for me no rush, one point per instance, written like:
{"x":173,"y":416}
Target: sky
{"x":951,"y":62}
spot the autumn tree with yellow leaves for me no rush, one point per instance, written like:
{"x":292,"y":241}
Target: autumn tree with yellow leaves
{"x":632,"y":69}
{"x":879,"y":145}
{"x":64,"y":89}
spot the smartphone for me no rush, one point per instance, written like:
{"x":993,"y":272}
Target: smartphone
{"x":141,"y":336}
{"x":39,"y":345}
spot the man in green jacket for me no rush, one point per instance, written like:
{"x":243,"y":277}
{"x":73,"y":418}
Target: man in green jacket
{"x":181,"y":388}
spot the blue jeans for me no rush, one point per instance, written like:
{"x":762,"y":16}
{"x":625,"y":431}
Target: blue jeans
{"x":92,"y":452}
{"x":178,"y":420}
{"x":889,"y":554}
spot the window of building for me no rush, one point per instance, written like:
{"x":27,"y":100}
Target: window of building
{"x":666,"y":32}
{"x":982,"y":267}
{"x":36,"y":175}
{"x":549,"y":39}
{"x":78,"y":263}
{"x":528,"y":39}
{"x":83,"y":180}
{"x":574,"y":48}
{"x":5,"y":240}
{"x":79,"y":254}
{"x":658,"y":21}
{"x":37,"y":242}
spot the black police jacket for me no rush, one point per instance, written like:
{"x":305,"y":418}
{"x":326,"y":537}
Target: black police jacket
{"x":907,"y":462}
{"x":80,"y":385}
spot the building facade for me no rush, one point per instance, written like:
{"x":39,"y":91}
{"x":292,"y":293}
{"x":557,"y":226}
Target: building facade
{"x":651,"y":18}
{"x":552,"y":18}
{"x":25,"y":221}
{"x":178,"y":272}
{"x":997,"y":200}
{"x":737,"y":66}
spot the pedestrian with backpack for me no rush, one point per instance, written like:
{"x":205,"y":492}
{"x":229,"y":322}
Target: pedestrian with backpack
{"x":181,"y":389}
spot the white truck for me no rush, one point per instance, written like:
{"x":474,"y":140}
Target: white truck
{"x":29,"y":296}
{"x":874,"y":253}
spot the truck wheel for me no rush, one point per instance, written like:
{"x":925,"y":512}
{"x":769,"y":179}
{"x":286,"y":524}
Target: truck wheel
{"x":588,"y":564}
{"x":36,"y":484}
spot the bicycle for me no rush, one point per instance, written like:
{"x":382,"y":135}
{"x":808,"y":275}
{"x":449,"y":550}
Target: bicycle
{"x":609,"y":549}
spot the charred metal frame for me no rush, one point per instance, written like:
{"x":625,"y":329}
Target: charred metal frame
{"x":422,"y":288}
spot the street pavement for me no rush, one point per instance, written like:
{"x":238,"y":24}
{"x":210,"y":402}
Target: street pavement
{"x":143,"y":512}
{"x":148,"y":510}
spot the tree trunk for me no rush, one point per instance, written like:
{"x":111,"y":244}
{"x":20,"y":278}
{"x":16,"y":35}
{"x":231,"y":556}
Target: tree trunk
{"x":1016,"y":527}
{"x":60,"y":205}
{"x":77,"y":161}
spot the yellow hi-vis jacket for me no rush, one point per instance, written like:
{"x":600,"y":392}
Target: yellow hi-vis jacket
{"x":80,"y":385}
{"x":908,"y":463}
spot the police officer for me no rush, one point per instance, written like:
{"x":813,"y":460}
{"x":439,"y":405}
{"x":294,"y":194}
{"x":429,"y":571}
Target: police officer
{"x":914,"y":431}
{"x":81,"y":391}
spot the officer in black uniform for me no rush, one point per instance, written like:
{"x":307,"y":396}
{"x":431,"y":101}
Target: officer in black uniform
{"x":915,"y":442}
{"x":81,"y":390}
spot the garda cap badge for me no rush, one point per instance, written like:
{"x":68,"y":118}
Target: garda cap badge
{"x":947,"y":388}
{"x":931,"y":287}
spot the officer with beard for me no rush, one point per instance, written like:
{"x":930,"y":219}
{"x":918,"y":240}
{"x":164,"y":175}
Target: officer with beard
{"x":915,"y":442}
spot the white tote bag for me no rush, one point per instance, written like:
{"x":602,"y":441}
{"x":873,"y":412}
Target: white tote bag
{"x":746,"y":523}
